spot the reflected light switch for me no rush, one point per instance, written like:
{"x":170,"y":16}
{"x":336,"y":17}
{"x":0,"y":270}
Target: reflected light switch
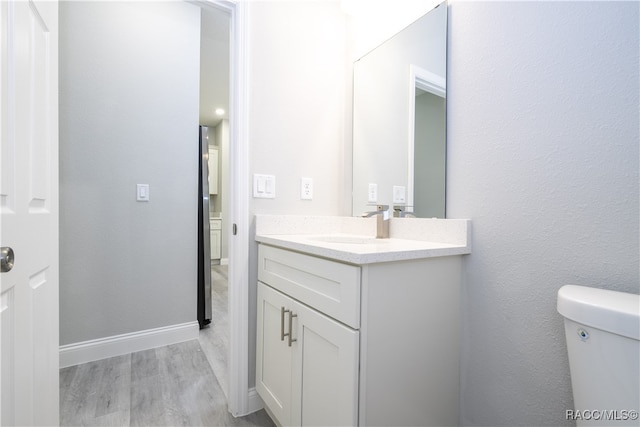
{"x":372,"y":195}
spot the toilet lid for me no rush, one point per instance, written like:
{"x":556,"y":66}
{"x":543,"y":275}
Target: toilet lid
{"x":612,"y":311}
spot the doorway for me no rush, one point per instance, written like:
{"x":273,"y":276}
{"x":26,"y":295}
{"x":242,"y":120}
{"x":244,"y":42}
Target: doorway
{"x":125,"y":283}
{"x":242,"y":399}
{"x":214,"y":117}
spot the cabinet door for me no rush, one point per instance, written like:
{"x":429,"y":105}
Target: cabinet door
{"x":216,"y":236}
{"x":273,"y":356}
{"x":325,"y":371}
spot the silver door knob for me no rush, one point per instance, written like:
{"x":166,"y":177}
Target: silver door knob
{"x":6,"y":261}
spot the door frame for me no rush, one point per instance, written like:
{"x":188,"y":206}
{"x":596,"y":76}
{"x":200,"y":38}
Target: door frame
{"x":241,"y":399}
{"x":419,"y":78}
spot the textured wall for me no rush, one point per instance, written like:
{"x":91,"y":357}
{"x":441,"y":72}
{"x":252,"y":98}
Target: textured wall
{"x":543,"y":157}
{"x":128,"y":115}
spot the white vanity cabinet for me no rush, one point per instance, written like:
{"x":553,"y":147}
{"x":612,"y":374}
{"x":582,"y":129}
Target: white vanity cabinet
{"x":215,"y":234}
{"x":307,"y":362}
{"x":371,"y":344}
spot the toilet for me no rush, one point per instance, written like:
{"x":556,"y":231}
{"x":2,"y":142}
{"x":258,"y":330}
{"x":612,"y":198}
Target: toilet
{"x":602,"y":329}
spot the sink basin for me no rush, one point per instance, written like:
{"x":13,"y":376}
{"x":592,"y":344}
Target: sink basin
{"x":352,"y":240}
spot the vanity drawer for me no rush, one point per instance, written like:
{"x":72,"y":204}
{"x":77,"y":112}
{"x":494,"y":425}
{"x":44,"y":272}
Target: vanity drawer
{"x":330,"y":287}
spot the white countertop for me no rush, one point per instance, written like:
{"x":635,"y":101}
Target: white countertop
{"x":315,"y":236}
{"x":382,"y":250}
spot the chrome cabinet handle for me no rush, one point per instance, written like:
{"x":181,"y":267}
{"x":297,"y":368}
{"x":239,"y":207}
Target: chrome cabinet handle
{"x":282,"y":334}
{"x":6,"y":259}
{"x":290,"y":334}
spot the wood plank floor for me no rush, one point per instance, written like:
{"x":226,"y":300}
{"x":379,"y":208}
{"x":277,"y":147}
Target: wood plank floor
{"x":167,"y":386}
{"x":214,"y":339}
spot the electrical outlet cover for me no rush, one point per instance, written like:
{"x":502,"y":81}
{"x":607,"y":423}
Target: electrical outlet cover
{"x":399,"y":192}
{"x":306,"y":188}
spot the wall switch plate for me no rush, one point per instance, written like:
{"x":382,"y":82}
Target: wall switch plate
{"x":372,"y":195}
{"x":306,"y":188}
{"x":142,"y":192}
{"x":264,"y":186}
{"x":399,"y":194}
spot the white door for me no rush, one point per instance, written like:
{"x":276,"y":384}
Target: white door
{"x":325,"y":371}
{"x":29,"y":212}
{"x":274,"y":356}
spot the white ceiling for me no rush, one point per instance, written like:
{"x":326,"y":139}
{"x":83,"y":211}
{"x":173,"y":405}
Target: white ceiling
{"x":214,"y":65}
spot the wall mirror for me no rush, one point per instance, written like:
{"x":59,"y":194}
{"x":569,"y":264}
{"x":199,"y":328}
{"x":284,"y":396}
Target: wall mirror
{"x":399,"y":121}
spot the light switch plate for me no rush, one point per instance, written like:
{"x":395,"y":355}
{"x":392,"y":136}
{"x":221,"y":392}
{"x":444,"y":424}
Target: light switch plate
{"x":306,"y":188}
{"x":142,"y":192}
{"x":264,"y":186}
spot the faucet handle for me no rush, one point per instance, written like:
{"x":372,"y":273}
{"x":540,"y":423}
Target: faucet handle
{"x":384,"y":210}
{"x":400,"y":211}
{"x":380,"y":210}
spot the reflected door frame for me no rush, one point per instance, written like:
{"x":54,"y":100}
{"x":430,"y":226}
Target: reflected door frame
{"x":419,"y":78}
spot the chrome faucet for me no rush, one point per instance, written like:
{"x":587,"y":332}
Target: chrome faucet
{"x":401,"y":212}
{"x":382,"y":224}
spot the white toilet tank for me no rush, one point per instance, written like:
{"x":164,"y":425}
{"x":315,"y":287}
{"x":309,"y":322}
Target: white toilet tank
{"x":602,"y":329}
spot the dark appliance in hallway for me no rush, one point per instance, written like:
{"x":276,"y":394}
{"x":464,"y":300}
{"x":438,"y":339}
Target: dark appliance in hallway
{"x":204,"y":250}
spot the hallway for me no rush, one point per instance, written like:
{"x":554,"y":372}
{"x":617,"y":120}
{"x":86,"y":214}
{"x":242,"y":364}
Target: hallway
{"x":177,"y":385}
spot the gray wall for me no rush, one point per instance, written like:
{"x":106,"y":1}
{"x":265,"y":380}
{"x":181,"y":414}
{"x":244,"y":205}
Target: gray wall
{"x":543,"y":157}
{"x":129,"y":77}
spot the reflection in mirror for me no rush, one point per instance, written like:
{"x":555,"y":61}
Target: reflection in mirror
{"x":427,"y":147}
{"x":399,"y":123}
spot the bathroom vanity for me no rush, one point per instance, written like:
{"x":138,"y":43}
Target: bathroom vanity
{"x":354,"y":330}
{"x":215,"y":234}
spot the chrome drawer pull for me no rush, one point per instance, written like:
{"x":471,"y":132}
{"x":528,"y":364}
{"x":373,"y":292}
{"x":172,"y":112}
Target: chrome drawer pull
{"x":282,"y":334}
{"x":290,"y":334}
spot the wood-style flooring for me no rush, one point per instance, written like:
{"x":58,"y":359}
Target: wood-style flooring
{"x":167,"y":386}
{"x":214,"y":339}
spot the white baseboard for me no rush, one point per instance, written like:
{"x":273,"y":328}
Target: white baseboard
{"x":102,"y":348}
{"x":254,"y":402}
{"x":224,"y":261}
